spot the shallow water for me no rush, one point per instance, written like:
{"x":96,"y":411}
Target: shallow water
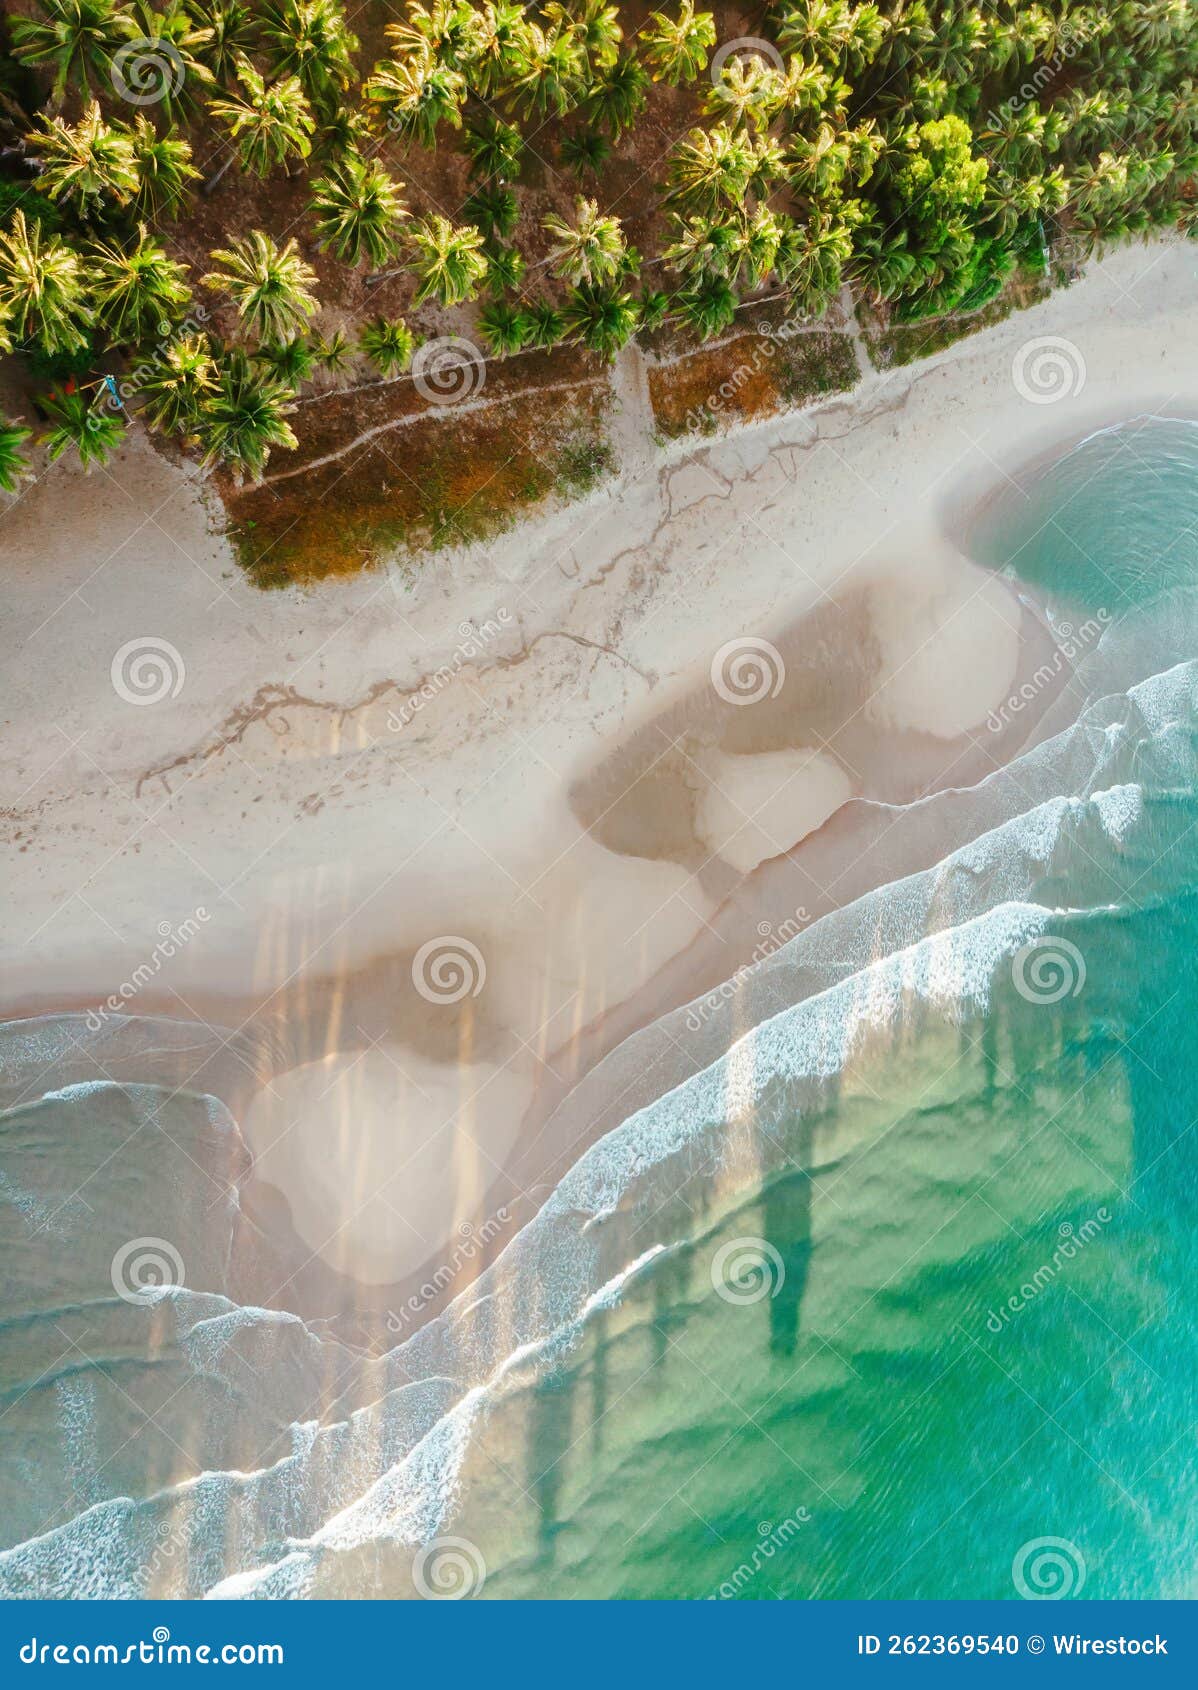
{"x":900,"y":1286}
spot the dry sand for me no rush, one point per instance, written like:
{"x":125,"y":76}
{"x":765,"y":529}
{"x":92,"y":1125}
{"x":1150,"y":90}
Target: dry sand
{"x":440,"y":824}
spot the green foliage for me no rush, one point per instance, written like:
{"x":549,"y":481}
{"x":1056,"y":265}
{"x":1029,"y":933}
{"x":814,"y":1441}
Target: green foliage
{"x":244,"y":418}
{"x":13,"y":465}
{"x":389,"y":344}
{"x":79,"y":425}
{"x":268,"y":284}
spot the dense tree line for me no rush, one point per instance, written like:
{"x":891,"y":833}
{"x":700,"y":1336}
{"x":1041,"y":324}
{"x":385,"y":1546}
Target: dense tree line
{"x":918,"y":149}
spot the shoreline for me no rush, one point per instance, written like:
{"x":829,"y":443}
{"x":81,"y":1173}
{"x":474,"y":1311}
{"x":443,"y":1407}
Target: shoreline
{"x":564,"y":698}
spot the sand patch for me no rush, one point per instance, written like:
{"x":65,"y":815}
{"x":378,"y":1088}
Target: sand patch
{"x":949,"y":649}
{"x":759,"y":806}
{"x":382,"y":1154}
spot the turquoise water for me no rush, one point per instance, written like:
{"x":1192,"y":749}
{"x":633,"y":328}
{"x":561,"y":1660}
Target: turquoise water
{"x":899,"y":1300}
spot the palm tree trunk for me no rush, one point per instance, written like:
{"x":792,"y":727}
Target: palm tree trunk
{"x":210,"y":183}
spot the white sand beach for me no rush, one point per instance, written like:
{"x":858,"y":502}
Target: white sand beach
{"x":443,"y":819}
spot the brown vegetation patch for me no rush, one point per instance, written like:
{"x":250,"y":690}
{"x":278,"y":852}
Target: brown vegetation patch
{"x":434,"y":477}
{"x":753,"y":375}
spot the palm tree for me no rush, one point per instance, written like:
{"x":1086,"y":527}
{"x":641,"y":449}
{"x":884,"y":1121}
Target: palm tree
{"x":140,"y":293}
{"x":493,"y":147}
{"x":760,"y":240}
{"x":618,"y":95}
{"x":505,"y":270}
{"x":76,"y":38}
{"x":676,"y":49}
{"x":270,"y":123}
{"x":493,"y":209}
{"x":244,"y":418}
{"x":311,"y":40}
{"x":450,"y":30}
{"x":604,"y":319}
{"x":358,"y":209}
{"x":451,"y":265}
{"x":13,"y":466}
{"x":164,"y":169}
{"x":506,"y":327}
{"x":709,"y":167}
{"x":554,"y":75}
{"x":709,"y":307}
{"x":547,"y":325}
{"x":591,"y":250}
{"x":86,"y":162}
{"x":415,"y":95}
{"x":268,"y":284}
{"x":652,"y":309}
{"x":41,"y":287}
{"x":748,"y":91}
{"x":705,"y":246}
{"x":181,"y":380}
{"x":231,"y":35}
{"x":293,"y":361}
{"x":76,"y":422}
{"x":595,"y":26}
{"x":165,"y":65}
{"x":585,"y":152}
{"x":388,"y":343}
{"x":499,"y":47}
{"x":334,"y":352}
